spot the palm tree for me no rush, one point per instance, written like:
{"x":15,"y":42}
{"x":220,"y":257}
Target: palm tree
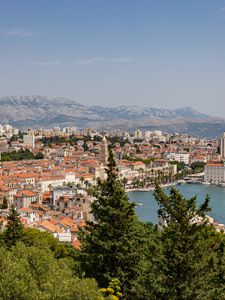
{"x":152,"y":172}
{"x":124,"y":181}
{"x":82,"y":180}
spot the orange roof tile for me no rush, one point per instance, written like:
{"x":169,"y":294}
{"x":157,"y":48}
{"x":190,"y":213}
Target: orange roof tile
{"x":76,"y":244}
{"x":49,"y":226}
{"x":3,"y":188}
{"x":25,"y":193}
{"x":137,"y":163}
{"x":74,"y":229}
{"x":67,"y":221}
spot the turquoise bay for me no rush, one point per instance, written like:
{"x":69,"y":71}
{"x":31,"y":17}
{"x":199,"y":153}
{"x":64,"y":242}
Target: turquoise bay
{"x":147,"y":206}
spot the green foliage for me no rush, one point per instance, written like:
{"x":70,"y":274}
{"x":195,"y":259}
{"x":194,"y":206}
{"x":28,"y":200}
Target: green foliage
{"x":44,"y":240}
{"x":39,"y":155}
{"x":72,"y":140}
{"x":111,"y":246}
{"x":97,"y":138}
{"x":147,"y":161}
{"x":113,"y":291}
{"x":181,"y":261}
{"x":31,"y":273}
{"x":20,"y":155}
{"x":138,"y":141}
{"x":86,"y":289}
{"x":4,"y":204}
{"x":47,"y":141}
{"x":180,"y":165}
{"x":85,"y":146}
{"x":14,"y":231}
{"x":15,"y":137}
{"x":35,"y":266}
{"x":124,"y":181}
{"x":117,"y":139}
{"x":197,"y":167}
{"x":138,"y":151}
{"x":17,"y":155}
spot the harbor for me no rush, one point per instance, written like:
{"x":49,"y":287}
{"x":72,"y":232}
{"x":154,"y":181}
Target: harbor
{"x":147,"y":206}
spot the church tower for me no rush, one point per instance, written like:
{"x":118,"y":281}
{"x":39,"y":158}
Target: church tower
{"x":104,"y":152}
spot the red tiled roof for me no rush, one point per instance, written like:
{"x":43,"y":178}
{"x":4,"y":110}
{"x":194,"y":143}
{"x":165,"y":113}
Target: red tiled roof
{"x":25,"y":193}
{"x":76,"y":244}
{"x":49,"y":226}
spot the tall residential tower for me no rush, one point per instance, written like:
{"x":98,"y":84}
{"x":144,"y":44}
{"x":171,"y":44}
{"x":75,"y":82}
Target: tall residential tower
{"x":222,"y":146}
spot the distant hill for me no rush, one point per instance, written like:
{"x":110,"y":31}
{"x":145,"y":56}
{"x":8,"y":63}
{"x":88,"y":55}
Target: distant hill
{"x":135,"y":113}
{"x":45,"y":112}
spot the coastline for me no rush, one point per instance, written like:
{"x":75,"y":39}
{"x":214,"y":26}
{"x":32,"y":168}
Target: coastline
{"x":219,"y":226}
{"x":151,"y":189}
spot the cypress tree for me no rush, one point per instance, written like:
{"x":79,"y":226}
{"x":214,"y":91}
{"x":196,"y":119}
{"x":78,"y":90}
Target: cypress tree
{"x":111,"y":246}
{"x":5,"y":203}
{"x":14,"y":231}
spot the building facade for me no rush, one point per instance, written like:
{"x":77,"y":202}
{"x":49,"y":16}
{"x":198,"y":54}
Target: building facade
{"x":222,"y":146}
{"x":215,"y":173}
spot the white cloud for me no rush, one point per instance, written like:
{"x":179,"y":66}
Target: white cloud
{"x":86,"y":61}
{"x":18,"y":32}
{"x":45,"y":63}
{"x":89,"y":61}
{"x":221,"y":10}
{"x":94,"y":60}
{"x":121,"y":60}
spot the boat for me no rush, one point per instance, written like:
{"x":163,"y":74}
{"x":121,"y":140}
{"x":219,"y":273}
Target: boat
{"x":205,"y":182}
{"x":181,"y":182}
{"x":138,"y":204}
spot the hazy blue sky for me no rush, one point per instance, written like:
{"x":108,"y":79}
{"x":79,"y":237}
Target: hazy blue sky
{"x":160,"y":53}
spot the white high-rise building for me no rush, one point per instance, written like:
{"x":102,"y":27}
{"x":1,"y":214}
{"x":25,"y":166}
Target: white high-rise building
{"x":8,"y":130}
{"x":29,"y":140}
{"x":222,"y":146}
{"x":157,"y":132}
{"x":1,"y":130}
{"x":148,"y":134}
{"x":138,"y":134}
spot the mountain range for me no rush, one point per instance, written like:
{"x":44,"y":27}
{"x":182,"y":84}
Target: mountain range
{"x":45,"y":112}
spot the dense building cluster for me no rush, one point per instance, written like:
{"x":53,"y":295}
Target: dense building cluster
{"x":46,"y":174}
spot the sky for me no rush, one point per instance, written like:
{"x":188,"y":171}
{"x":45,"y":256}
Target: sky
{"x":156,"y":53}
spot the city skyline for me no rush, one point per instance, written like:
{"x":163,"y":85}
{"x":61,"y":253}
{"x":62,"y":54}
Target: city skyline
{"x":148,"y":53}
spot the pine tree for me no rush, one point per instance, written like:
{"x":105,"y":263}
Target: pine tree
{"x":14,"y":231}
{"x":111,"y":246}
{"x":180,"y":263}
{"x":5,"y":203}
{"x":218,"y":291}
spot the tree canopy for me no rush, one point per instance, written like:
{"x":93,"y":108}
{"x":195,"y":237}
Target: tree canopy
{"x":111,"y":245}
{"x":35,"y":266}
{"x":181,"y":260}
{"x":14,"y":231}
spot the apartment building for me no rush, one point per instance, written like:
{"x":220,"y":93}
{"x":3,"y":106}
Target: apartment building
{"x":181,"y":157}
{"x":215,"y":173}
